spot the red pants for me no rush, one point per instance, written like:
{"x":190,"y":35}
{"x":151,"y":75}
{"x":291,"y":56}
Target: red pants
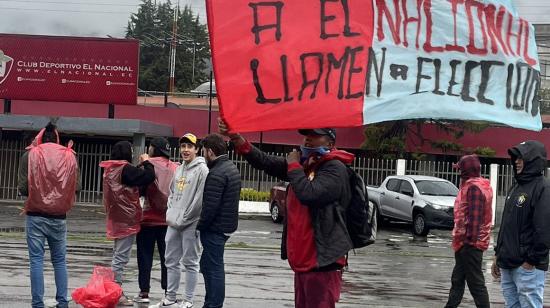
{"x":317,"y":289}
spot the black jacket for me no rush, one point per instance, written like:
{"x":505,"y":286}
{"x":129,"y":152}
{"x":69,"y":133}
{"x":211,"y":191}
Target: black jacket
{"x":327,"y":199}
{"x":141,"y":177}
{"x":220,"y":201}
{"x":524,"y":234}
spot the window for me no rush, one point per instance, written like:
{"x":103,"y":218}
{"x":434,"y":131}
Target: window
{"x":393,"y":185}
{"x":406,"y":187}
{"x":436,"y":188}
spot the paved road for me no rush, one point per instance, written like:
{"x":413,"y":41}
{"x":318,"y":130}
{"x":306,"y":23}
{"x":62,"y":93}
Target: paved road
{"x":398,"y":271}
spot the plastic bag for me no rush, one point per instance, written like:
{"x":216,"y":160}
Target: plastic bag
{"x":100,"y":292}
{"x":157,"y":193}
{"x":52,"y":178}
{"x":121,"y":202}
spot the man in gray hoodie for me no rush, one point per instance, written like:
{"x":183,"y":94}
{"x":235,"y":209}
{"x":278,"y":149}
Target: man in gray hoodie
{"x":182,"y":216}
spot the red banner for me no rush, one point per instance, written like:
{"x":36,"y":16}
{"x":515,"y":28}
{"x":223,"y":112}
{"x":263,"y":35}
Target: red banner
{"x":70,"y":69}
{"x":290,"y":64}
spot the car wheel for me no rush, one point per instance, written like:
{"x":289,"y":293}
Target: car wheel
{"x":276,"y":213}
{"x":419,"y":225}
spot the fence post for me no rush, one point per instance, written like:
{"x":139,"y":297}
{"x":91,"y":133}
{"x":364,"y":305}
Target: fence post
{"x":401,"y":167}
{"x":139,"y":145}
{"x":493,"y":178}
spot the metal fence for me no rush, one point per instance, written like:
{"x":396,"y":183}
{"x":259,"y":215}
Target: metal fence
{"x":374,"y":171}
{"x":440,"y":169}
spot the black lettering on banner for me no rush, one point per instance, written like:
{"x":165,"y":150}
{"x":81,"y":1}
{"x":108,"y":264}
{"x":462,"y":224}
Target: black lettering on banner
{"x":452,"y":82}
{"x":256,"y":29}
{"x":465,"y":93}
{"x":437,"y":64}
{"x":261,"y":99}
{"x":519,"y":105}
{"x":397,"y":70}
{"x":305,"y":81}
{"x":485,"y":76}
{"x":347,"y":28}
{"x":524,"y":101}
{"x":419,"y":75}
{"x":535,"y":79}
{"x":285,"y":78}
{"x":536,"y":97}
{"x":337,"y":64}
{"x":353,"y":70}
{"x":378,"y":71}
{"x":325,"y":19}
{"x":509,"y":85}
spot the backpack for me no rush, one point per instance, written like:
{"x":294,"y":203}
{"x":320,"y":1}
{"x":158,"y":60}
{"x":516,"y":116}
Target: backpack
{"x":361,"y":220}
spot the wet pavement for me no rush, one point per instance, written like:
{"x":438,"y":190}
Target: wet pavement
{"x":397,"y":271}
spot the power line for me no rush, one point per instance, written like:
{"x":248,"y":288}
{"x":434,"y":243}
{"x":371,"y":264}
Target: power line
{"x":66,"y":11}
{"x":70,"y":3}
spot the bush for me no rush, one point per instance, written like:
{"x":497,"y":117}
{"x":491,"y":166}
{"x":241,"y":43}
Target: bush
{"x":249,"y":194}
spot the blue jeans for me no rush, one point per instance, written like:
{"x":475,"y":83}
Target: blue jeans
{"x":212,"y":268}
{"x":522,"y":288}
{"x":39,"y":230}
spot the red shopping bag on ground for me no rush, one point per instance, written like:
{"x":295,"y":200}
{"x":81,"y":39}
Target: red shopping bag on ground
{"x":101,"y":291}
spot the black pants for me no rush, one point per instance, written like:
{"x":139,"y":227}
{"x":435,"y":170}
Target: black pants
{"x":468,"y":269}
{"x":146,"y":239}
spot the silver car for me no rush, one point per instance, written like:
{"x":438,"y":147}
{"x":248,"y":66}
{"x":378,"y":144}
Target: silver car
{"x":426,"y":201}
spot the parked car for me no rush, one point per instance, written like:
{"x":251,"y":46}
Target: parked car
{"x":277,"y":202}
{"x":427,"y":202}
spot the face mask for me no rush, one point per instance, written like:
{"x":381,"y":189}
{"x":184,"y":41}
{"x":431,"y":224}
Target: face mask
{"x":307,"y":152}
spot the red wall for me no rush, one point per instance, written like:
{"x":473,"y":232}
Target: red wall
{"x":499,"y":139}
{"x":181,"y":120}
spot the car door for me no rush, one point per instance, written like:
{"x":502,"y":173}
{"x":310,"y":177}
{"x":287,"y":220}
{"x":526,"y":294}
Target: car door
{"x":387,"y":198}
{"x":404,"y":200}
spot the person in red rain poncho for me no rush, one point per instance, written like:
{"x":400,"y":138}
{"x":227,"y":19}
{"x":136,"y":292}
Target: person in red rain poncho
{"x":48,"y":177}
{"x":153,"y":224}
{"x":473,"y":217}
{"x":121,"y":183}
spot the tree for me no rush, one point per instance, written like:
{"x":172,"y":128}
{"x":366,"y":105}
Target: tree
{"x":152,"y":25}
{"x":388,"y":139}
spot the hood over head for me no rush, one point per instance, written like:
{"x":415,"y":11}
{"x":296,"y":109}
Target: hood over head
{"x":533,"y":154}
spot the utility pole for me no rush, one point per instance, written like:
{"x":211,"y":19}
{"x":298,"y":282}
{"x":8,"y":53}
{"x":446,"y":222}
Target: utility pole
{"x":173,"y":50}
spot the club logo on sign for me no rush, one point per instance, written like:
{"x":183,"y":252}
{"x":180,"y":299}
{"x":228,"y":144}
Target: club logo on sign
{"x":6,"y":64}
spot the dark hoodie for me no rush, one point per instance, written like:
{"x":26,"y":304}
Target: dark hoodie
{"x":524,"y":234}
{"x":315,"y":237}
{"x":131,"y":175}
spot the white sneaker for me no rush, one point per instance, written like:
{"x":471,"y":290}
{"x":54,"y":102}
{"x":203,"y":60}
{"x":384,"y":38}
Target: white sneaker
{"x":165,"y":303}
{"x":186,"y":304}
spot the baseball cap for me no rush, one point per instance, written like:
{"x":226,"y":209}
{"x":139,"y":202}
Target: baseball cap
{"x":189,"y":138}
{"x":162,"y":145}
{"x":330,"y":132}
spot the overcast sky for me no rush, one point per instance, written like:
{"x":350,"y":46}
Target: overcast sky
{"x":110,"y":17}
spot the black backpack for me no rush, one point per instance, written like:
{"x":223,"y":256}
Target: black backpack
{"x":361,"y":219}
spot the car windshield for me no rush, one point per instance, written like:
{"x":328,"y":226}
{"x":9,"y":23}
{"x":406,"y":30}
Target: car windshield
{"x":436,"y":188}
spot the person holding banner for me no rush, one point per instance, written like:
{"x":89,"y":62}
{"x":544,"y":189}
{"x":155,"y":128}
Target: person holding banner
{"x":521,"y":251}
{"x":315,"y":238}
{"x":121,"y":183}
{"x":48,"y":177}
{"x":473,"y":218}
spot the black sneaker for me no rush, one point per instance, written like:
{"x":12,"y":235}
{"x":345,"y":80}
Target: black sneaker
{"x":143,"y":297}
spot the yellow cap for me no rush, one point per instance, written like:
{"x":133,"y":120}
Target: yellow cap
{"x":189,"y":138}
